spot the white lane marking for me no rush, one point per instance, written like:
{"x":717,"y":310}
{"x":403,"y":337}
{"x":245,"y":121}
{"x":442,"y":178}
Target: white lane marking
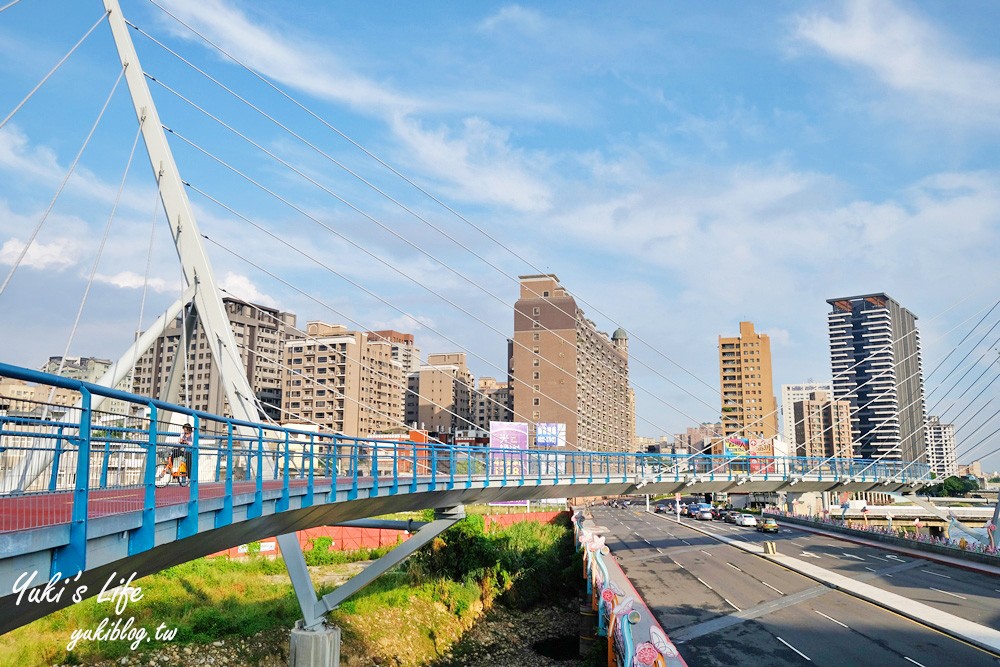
{"x":806,"y":554}
{"x":936,"y":574}
{"x":659,"y":550}
{"x":793,"y":648}
{"x":954,"y":595}
{"x":704,"y":552}
{"x":685,"y":542}
{"x":830,"y":618}
{"x":706,"y":585}
{"x":831,"y":555}
{"x":732,"y":605}
{"x":870,"y":569}
{"x":794,"y":542}
{"x":846,"y":555}
{"x":913,"y":661}
{"x":878,"y":558}
{"x":895,"y":557}
{"x":772,"y":588}
{"x":888,"y":575}
{"x":734,"y":567}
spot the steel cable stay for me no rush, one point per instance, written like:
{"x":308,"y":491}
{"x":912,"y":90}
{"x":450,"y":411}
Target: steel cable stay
{"x":9,"y":5}
{"x":62,"y":185}
{"x":104,"y":15}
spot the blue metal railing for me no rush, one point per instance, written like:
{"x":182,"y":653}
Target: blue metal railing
{"x":48,"y":450}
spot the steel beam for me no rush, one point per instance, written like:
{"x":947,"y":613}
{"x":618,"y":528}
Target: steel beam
{"x":313,"y":609}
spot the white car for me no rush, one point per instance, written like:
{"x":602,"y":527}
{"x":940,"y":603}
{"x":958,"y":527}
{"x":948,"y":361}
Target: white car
{"x":746,"y":520}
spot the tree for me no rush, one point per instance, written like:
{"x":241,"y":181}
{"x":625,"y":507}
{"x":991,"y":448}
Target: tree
{"x":952,"y":487}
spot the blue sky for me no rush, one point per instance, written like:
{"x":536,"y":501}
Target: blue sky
{"x":681,"y":167}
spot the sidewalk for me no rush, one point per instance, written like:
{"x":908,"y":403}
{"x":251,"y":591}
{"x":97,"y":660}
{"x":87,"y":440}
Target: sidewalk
{"x":978,"y":635}
{"x":953,"y":561}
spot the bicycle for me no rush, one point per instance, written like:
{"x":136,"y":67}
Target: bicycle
{"x":175,"y":467}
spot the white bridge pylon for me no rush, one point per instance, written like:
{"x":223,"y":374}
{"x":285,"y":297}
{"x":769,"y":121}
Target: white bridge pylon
{"x":197,"y":269}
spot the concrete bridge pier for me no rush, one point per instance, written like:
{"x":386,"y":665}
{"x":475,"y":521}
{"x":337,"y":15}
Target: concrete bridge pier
{"x":315,"y":647}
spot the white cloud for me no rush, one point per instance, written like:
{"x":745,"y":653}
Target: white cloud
{"x":478,"y":162}
{"x":908,"y":54}
{"x":132,"y":280}
{"x":290,"y":59}
{"x":57,"y":255}
{"x":514,"y":17}
{"x":241,"y":287}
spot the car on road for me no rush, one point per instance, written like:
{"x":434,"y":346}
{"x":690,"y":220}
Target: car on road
{"x":704,"y":514}
{"x":660,"y":509}
{"x":748,"y":520}
{"x":767,"y":525}
{"x":731,"y":516}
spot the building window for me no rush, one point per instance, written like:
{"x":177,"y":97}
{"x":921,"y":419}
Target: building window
{"x":535,"y":375}
{"x":536,"y":401}
{"x":535,"y":336}
{"x":535,"y":325}
{"x":536,"y":311}
{"x":534,"y":362}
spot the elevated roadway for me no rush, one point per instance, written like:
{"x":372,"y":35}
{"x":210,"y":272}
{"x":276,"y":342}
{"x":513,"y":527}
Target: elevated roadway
{"x":723,"y":605}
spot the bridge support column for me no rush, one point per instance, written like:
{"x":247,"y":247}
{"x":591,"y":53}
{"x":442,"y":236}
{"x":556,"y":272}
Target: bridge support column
{"x":316,"y":647}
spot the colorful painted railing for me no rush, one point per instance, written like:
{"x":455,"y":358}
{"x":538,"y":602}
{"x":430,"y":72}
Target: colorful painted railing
{"x":635,"y":638}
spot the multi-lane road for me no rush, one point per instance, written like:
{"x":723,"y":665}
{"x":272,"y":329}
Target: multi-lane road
{"x":723,"y":606}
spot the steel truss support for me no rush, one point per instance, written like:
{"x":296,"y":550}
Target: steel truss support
{"x":313,"y":609}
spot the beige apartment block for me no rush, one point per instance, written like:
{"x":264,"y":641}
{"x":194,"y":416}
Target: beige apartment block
{"x":404,"y":349}
{"x":492,"y":401}
{"x":749,"y":409}
{"x":260,"y":334}
{"x":441,"y":393}
{"x":342,"y":381}
{"x":822,"y":426}
{"x":564,"y":370}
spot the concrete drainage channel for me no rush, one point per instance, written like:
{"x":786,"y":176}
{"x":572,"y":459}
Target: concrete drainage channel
{"x":978,"y":635}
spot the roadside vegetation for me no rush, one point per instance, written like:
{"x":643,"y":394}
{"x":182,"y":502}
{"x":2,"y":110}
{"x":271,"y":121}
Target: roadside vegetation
{"x":407,"y":617}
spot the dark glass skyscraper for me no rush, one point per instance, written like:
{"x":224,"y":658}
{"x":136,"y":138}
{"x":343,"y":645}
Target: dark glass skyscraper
{"x":875,"y":358}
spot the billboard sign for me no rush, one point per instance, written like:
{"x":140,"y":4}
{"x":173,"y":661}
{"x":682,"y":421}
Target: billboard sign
{"x":550,"y":435}
{"x":505,"y":439}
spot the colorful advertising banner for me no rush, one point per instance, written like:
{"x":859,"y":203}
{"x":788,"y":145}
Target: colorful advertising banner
{"x":550,"y":435}
{"x":737,"y":446}
{"x":507,"y":436}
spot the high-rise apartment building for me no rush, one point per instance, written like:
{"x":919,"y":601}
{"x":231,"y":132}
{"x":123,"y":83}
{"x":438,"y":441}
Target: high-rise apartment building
{"x":941,"y":448}
{"x":792,"y":394}
{"x":749,"y":409}
{"x":563,"y":370}
{"x":822,"y":426}
{"x":875,"y":359}
{"x":403,"y":349}
{"x":492,"y":401}
{"x":698,"y":439}
{"x":439,"y":395}
{"x":342,"y":381}
{"x":260,"y":333}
